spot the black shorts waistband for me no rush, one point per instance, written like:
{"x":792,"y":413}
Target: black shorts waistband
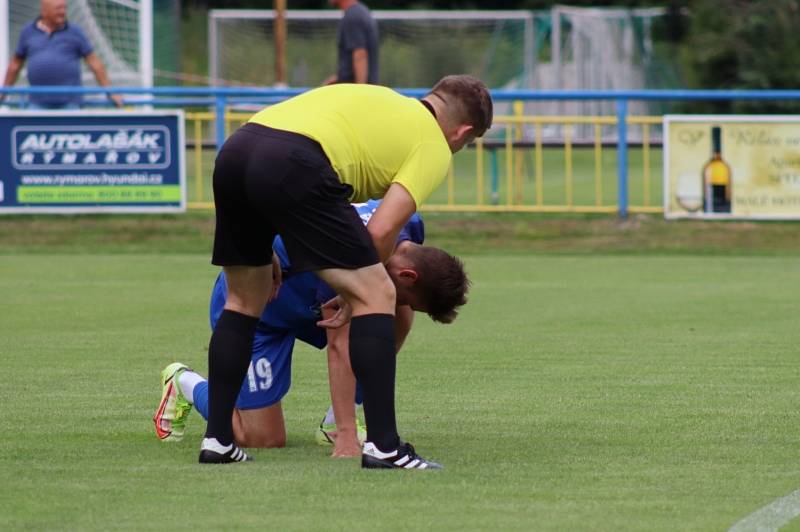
{"x":291,"y":136}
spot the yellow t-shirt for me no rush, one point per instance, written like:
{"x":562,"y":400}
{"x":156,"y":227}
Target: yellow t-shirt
{"x":372,"y":135}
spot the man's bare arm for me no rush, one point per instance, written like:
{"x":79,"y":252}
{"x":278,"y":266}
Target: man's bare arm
{"x":343,"y":391}
{"x":393,"y":213}
{"x":99,"y":71}
{"x":360,"y":65}
{"x":403,"y":319}
{"x":343,"y":382}
{"x":12,"y":73}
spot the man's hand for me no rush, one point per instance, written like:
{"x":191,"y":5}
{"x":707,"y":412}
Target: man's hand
{"x":330,"y":80}
{"x":277,"y":277}
{"x":345,"y":445}
{"x":96,"y":66}
{"x":14,"y":68}
{"x":342,"y":316}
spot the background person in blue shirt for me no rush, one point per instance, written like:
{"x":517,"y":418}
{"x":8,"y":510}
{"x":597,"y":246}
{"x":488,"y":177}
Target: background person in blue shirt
{"x":53,"y":49}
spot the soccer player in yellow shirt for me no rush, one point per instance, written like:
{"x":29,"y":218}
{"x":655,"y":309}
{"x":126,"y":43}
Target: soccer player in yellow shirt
{"x":293,"y":170}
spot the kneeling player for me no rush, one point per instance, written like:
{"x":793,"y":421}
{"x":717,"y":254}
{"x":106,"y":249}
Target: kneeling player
{"x":427,"y":280}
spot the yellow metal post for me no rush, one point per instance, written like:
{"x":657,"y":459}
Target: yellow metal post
{"x":450,"y":184}
{"x":198,"y":159}
{"x":598,"y":165}
{"x":539,"y":166}
{"x":568,"y":163}
{"x":509,"y":166}
{"x":646,"y":162}
{"x":479,"y":170}
{"x":519,"y":111}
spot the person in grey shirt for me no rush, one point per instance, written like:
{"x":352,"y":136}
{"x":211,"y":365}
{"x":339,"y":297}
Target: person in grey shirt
{"x":357,"y":45}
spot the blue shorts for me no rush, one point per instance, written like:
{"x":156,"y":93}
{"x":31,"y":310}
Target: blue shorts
{"x":270,"y":373}
{"x":292,"y":316}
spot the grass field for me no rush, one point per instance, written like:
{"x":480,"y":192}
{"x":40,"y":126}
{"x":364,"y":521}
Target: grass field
{"x":604,"y":392}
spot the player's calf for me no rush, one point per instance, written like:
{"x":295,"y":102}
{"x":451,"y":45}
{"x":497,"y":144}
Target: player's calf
{"x":260,"y":428}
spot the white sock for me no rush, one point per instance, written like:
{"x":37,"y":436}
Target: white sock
{"x":330,"y":418}
{"x":187,"y":381}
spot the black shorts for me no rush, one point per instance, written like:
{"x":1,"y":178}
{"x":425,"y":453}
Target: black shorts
{"x":269,"y":182}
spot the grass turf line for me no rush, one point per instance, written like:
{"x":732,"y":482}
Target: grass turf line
{"x":480,"y":233}
{"x":605,"y":392}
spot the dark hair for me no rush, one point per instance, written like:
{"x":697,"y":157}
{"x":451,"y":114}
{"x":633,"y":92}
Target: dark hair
{"x":470,"y":99}
{"x":442,"y":283}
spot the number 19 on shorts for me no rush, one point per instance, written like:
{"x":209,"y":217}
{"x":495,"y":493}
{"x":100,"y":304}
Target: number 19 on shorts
{"x":259,"y":375}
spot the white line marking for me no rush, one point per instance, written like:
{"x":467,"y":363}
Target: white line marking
{"x":772,"y":516}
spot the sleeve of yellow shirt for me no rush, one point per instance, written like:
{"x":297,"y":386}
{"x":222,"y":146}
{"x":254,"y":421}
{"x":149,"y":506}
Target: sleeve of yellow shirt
{"x":424,"y":170}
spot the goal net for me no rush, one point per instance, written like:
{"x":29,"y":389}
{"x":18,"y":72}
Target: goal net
{"x":560,"y":49}
{"x":596,"y":49}
{"x":416,"y":47}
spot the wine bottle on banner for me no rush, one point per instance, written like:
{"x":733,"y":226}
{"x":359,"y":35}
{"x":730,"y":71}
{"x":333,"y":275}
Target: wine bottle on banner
{"x":717,"y":178}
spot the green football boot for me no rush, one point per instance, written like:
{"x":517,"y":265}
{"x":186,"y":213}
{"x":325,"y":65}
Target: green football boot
{"x":170,"y":418}
{"x":325,"y":433}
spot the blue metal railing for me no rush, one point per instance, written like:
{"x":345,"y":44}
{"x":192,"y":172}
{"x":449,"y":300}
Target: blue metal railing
{"x":622,"y":158}
{"x":221,"y":97}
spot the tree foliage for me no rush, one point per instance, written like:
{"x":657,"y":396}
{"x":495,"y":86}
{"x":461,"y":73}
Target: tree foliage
{"x":743,"y":44}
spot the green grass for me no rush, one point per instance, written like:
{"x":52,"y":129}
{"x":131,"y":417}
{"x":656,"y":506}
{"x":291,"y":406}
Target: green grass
{"x":574,"y":392}
{"x":479,"y":233}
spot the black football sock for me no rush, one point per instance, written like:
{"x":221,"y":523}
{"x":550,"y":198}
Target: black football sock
{"x":374,"y":359}
{"x":229,"y":354}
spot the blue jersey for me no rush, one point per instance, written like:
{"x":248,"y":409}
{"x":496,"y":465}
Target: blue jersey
{"x":296,"y":311}
{"x":53,"y":59}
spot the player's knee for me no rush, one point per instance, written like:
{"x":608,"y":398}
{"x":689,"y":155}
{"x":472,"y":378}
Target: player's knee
{"x":257,"y":435}
{"x":248,"y":288}
{"x":269,"y":441}
{"x":261,"y":439}
{"x":250,"y":305}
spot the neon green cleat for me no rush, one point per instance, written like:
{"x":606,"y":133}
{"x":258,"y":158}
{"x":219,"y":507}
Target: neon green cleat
{"x":326,"y":433}
{"x":323,"y":433}
{"x":170,"y":418}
